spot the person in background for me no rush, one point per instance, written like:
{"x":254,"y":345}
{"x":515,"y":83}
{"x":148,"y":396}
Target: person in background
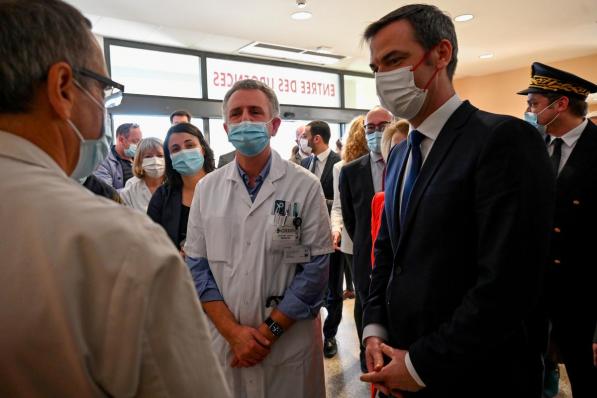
{"x":393,"y":135}
{"x":148,"y":167}
{"x":117,"y":168}
{"x":303,"y":149}
{"x":258,"y":249}
{"x":356,"y":146}
{"x":180,"y":116}
{"x":358,"y":181}
{"x":321,"y":162}
{"x":557,"y":107}
{"x":592,"y":116}
{"x":100,"y":188}
{"x":339,"y":146}
{"x":95,"y":300}
{"x":464,"y":238}
{"x":226,"y":158}
{"x":188,"y":159}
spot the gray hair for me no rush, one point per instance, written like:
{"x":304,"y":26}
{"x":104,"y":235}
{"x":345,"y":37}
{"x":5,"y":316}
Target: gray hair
{"x":250,"y":84}
{"x":125,"y":129}
{"x":34,"y":35}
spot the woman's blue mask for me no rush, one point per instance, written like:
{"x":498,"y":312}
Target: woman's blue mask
{"x":249,"y":138}
{"x":188,"y":161}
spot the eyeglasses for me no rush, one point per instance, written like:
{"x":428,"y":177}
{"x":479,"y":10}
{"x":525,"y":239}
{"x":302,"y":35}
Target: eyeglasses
{"x":112,"y":90}
{"x":371,"y":127}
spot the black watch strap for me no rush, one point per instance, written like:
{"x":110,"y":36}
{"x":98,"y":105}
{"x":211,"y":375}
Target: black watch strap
{"x":274,"y":327}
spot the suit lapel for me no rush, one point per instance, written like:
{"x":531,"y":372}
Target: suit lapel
{"x":368,"y":180}
{"x":395,"y":171}
{"x":451,"y":130}
{"x":580,"y":159}
{"x":327,"y":169}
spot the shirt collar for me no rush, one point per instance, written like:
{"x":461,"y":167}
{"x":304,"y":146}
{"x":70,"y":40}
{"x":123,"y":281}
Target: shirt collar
{"x":18,"y":148}
{"x":323,"y":156}
{"x":573,"y":135}
{"x":433,"y":125}
{"x":262,"y":174}
{"x":375,"y":157}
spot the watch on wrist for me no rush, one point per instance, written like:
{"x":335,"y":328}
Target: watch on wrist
{"x":274,"y":327}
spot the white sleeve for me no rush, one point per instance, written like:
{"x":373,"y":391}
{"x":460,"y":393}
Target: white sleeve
{"x":195,"y":241}
{"x":336,"y":214}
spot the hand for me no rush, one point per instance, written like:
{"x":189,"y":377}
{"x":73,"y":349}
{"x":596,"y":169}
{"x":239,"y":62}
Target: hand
{"x":394,"y":376}
{"x":336,"y":238}
{"x":373,"y":354}
{"x":595,"y":354}
{"x":249,"y":347}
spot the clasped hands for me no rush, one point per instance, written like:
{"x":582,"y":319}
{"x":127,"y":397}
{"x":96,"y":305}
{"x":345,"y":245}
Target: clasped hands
{"x":393,"y":378}
{"x":250,"y":346}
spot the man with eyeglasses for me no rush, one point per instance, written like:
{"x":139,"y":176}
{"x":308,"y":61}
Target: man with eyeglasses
{"x":95,"y":299}
{"x":359,"y":181}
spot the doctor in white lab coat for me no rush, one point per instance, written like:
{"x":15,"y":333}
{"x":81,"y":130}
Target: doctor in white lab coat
{"x":258,"y":246}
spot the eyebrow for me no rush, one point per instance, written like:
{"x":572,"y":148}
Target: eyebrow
{"x":394,"y":53}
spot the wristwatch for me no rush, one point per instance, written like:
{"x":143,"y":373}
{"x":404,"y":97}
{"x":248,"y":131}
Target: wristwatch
{"x":274,"y":327}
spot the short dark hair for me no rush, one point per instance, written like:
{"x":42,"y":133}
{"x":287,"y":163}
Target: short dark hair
{"x":320,"y":128}
{"x":173,"y":178}
{"x":430,"y":26}
{"x":180,"y":112}
{"x":34,"y":35}
{"x":125,"y":128}
{"x":578,"y":107}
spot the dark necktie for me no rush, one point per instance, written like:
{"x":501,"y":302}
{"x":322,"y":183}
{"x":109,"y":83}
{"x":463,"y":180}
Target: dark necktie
{"x":313,"y":164}
{"x":416,"y":160}
{"x":556,"y":155}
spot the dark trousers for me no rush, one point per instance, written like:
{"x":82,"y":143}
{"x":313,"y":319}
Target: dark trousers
{"x":334,"y":296}
{"x":359,"y":302}
{"x":347,"y":265}
{"x":573,"y":338}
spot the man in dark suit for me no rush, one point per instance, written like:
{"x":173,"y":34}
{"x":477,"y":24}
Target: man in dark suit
{"x":321,"y":163}
{"x":226,"y":158}
{"x":465,"y":228}
{"x":359,"y":181}
{"x":557,"y":106}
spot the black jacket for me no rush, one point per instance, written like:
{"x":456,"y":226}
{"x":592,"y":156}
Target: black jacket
{"x":327,"y":177}
{"x":456,"y":285}
{"x":165,"y":209}
{"x":356,"y":192}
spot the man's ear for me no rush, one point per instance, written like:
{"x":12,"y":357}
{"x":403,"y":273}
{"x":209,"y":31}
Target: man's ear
{"x":276,"y":122}
{"x":562,"y":104}
{"x":226,"y":127}
{"x":61,"y":89}
{"x":444,"y":54}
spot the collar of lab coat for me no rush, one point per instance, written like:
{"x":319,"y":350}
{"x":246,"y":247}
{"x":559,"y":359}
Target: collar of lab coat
{"x":15,"y":147}
{"x":277,"y":172}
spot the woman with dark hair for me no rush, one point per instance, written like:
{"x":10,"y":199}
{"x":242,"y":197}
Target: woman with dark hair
{"x":188,"y":159}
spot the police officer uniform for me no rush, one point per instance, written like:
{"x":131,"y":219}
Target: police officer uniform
{"x":572,"y":266}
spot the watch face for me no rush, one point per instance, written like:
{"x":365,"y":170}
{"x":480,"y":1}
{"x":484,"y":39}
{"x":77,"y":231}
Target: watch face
{"x":276,"y":329}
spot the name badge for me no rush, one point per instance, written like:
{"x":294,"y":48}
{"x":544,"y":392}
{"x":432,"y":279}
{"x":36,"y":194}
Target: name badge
{"x":297,"y":254}
{"x":285,"y":235}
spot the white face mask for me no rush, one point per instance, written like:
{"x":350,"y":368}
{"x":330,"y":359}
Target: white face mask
{"x":304,"y":146}
{"x":398,"y":92}
{"x":154,"y":167}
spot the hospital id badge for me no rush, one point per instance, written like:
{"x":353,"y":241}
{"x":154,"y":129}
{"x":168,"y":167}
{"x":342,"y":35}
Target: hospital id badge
{"x":286,"y":235}
{"x":297,"y":254}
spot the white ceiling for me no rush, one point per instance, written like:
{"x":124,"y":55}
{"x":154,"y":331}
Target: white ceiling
{"x":518,"y":32}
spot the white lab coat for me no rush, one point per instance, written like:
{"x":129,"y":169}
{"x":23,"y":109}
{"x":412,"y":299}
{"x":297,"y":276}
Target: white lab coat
{"x":95,"y":298}
{"x":346,"y":244}
{"x":235,"y":235}
{"x":136,"y":194}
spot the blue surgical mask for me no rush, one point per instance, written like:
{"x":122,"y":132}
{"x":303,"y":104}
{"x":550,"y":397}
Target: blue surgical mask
{"x":374,"y":141}
{"x":533,"y":118}
{"x":188,"y":161}
{"x":91,"y":152}
{"x":131,"y":151}
{"x":249,"y":138}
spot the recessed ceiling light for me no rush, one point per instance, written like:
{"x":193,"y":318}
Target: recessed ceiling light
{"x":301,"y":15}
{"x":464,"y":17}
{"x":486,"y":56}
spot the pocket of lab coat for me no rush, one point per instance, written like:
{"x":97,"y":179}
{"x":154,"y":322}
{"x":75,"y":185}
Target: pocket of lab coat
{"x":219,"y":239}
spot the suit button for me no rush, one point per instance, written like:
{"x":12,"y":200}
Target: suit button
{"x":556,"y":261}
{"x":576,"y":202}
{"x":557,"y":230}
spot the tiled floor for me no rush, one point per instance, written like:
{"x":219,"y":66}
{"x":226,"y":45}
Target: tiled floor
{"x":342,"y":372}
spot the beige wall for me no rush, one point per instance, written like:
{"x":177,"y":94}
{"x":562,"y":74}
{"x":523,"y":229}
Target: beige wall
{"x":497,"y":92}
